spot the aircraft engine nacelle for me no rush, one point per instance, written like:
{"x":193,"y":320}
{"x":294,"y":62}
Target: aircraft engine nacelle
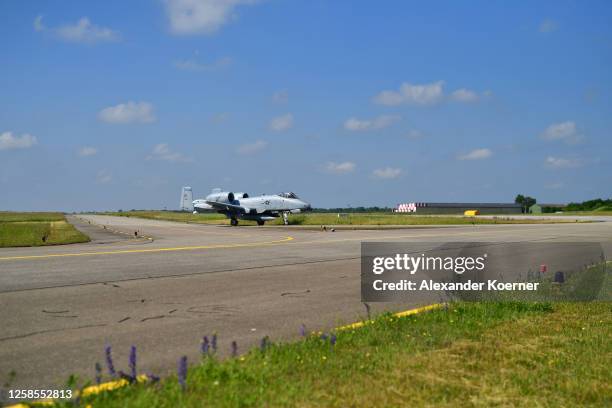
{"x":226,"y":196}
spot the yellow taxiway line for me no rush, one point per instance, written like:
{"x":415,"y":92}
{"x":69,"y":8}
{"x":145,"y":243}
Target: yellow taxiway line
{"x":148,"y":250}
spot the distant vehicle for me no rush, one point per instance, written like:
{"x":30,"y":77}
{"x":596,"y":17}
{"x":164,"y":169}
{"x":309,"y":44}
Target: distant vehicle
{"x":262,"y":208}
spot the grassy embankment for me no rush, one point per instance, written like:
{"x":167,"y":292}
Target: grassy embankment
{"x":328,"y":219}
{"x":36,"y":229}
{"x":466,"y":354}
{"x":469,"y":354}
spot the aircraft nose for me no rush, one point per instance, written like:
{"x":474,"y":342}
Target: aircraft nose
{"x":307,"y":207}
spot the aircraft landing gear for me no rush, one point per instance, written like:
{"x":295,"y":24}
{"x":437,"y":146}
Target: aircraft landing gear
{"x":286,"y":218}
{"x":260,"y":222}
{"x":234,"y":222}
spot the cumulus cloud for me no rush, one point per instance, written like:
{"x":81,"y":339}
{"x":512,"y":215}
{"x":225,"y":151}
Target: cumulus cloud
{"x":477,"y":154}
{"x":87,"y":151}
{"x":281,"y":96}
{"x":83,"y":31}
{"x":104,"y":177}
{"x":193,"y":65}
{"x":129,"y":112}
{"x":252,"y":148}
{"x":281,"y":123}
{"x":360,"y":125}
{"x":387,"y":173}
{"x":340,"y":168}
{"x":464,"y":95}
{"x":564,"y":131}
{"x":563,"y":163}
{"x":424,"y":94}
{"x":9,"y":141}
{"x":162,"y":152}
{"x":548,"y":26}
{"x":188,"y":17}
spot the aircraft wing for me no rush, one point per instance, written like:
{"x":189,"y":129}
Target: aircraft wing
{"x":227,"y":207}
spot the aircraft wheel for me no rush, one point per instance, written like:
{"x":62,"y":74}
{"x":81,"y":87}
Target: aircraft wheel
{"x":260,"y":222}
{"x":234,"y":222}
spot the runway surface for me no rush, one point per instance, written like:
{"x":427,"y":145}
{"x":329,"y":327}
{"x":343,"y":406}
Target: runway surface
{"x":61,"y":305}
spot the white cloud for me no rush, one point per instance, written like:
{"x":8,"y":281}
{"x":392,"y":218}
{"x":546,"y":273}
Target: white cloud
{"x":464,"y":95}
{"x":564,"y":131}
{"x":129,"y":112}
{"x":340,"y":168}
{"x":252,"y":148}
{"x":477,"y":154}
{"x":87,"y":151}
{"x":414,"y":134}
{"x":104,"y":177}
{"x":281,"y":96}
{"x":38,"y":24}
{"x":219,"y":118}
{"x":200,"y":16}
{"x":281,"y":123}
{"x":83,"y":31}
{"x":563,"y":163}
{"x":193,"y":65}
{"x":424,"y":94}
{"x":380,"y":122}
{"x":387,"y":173}
{"x":9,"y":141}
{"x":162,"y":152}
{"x":555,"y":186}
{"x":548,"y":26}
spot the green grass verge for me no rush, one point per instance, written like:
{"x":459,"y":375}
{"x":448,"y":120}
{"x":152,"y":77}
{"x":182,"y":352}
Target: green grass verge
{"x":328,"y":219}
{"x":37,"y":229}
{"x":469,"y":354}
{"x":594,"y":212}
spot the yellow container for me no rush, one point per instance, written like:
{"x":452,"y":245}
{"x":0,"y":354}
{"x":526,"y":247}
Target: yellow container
{"x":471,"y":213}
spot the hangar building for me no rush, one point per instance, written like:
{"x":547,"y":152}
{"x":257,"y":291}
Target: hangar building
{"x":458,"y":208}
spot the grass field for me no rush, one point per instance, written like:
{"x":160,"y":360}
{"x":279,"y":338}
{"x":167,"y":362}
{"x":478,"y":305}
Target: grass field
{"x":469,"y":354}
{"x":332,"y":219}
{"x":36,"y":229}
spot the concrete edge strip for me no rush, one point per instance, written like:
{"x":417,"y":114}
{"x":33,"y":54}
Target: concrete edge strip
{"x":142,"y":378}
{"x":104,"y":227}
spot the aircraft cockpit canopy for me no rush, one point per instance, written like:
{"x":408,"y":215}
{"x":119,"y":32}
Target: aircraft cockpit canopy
{"x":288,"y":195}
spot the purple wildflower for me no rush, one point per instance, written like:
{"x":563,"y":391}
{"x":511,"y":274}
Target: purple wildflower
{"x":303,"y":330}
{"x":332,"y":339}
{"x":182,"y":372}
{"x":98,"y":373}
{"x":133,"y":361}
{"x":205,"y":345}
{"x":234,"y":349}
{"x":109,"y":361}
{"x":213,"y":343}
{"x":324,"y":336}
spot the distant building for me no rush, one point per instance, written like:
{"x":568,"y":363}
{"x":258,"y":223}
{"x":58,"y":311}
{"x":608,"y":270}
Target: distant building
{"x":535,"y":209}
{"x":186,"y":199}
{"x":458,"y":208}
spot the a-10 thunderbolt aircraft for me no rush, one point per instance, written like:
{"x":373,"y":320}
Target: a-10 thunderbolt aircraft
{"x":262,"y":208}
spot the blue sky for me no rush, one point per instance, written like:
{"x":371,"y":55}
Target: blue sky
{"x":115,"y":104}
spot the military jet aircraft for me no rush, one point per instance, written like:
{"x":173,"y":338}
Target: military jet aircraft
{"x":262,"y":208}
